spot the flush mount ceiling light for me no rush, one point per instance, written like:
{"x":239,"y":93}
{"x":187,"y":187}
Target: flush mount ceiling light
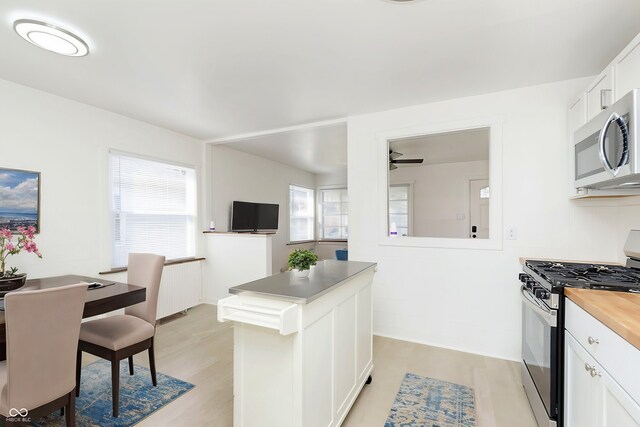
{"x":51,"y":37}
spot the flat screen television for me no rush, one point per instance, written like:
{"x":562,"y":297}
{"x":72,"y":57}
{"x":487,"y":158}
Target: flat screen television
{"x":249,"y":216}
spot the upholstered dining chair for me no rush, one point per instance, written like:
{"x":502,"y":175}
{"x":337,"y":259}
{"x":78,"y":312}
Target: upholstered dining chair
{"x":42,"y":337}
{"x":122,"y":336}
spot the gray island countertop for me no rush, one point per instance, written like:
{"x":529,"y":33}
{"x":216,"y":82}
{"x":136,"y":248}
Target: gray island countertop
{"x":324,"y":277}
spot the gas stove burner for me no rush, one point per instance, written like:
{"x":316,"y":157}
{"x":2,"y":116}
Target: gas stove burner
{"x":592,"y":276}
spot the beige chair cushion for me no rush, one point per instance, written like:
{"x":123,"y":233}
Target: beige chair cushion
{"x":116,"y":332}
{"x":4,"y":410}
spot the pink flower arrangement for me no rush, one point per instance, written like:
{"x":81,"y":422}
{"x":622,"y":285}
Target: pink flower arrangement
{"x":7,"y":247}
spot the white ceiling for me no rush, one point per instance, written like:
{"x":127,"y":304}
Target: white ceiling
{"x":217,"y":68}
{"x":319,"y":149}
{"x":450,"y":147}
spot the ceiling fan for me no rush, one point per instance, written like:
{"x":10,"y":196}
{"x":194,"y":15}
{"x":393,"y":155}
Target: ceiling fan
{"x":393,"y":160}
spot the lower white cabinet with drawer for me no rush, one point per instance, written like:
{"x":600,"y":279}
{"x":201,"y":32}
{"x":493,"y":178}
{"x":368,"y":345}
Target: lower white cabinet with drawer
{"x":300,"y":364}
{"x":593,"y":396}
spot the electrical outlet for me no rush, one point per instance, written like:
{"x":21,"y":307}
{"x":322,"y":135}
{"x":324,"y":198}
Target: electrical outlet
{"x":512,"y":233}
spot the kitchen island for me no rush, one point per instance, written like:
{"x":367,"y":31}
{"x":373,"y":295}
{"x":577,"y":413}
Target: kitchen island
{"x":302,"y":346}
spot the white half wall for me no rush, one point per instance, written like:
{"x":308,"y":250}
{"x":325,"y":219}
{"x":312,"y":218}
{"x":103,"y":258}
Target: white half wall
{"x":469,"y":299}
{"x":68,"y":142}
{"x":236,"y":175}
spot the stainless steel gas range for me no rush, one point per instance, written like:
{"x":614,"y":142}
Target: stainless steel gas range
{"x":541,"y":289}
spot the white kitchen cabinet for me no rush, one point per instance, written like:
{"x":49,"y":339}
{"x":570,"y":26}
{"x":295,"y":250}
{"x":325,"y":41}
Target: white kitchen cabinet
{"x":600,"y":93}
{"x":619,"y":77}
{"x":296,"y":363}
{"x":581,"y":394}
{"x":592,"y":397}
{"x":627,"y":68}
{"x":576,"y":117}
{"x":577,"y":114}
{"x":600,"y":375}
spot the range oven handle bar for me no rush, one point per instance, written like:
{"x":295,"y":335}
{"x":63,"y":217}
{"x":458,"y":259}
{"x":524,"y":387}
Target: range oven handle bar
{"x":548,"y":315}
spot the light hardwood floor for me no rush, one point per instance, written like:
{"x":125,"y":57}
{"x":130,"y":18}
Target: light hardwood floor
{"x":196,"y":348}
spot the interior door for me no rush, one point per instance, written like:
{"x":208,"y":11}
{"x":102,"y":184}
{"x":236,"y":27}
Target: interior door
{"x":479,"y":208}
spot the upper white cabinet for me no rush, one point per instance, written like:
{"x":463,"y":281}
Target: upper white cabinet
{"x":601,"y":379}
{"x":577,"y":114}
{"x":618,"y":78}
{"x":577,"y":117}
{"x":627,"y":68}
{"x":600,"y":93}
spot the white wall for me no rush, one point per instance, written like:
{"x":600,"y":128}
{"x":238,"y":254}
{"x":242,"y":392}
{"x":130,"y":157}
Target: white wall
{"x":338,"y":179}
{"x":440,"y":194}
{"x":236,"y":175}
{"x":628,"y":219}
{"x":68,"y":143}
{"x":469,"y":299}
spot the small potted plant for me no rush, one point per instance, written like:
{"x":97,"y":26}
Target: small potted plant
{"x":301,"y":261}
{"x":9,"y":278}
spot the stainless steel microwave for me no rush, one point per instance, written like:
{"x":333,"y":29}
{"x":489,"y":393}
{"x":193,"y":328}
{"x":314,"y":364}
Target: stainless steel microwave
{"x":607,"y":147}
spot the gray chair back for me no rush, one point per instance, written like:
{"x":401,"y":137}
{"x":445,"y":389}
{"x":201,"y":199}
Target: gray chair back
{"x":42,"y":339}
{"x":145,"y":270}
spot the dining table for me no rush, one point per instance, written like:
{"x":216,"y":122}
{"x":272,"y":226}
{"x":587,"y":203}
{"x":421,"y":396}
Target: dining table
{"x":103,"y":296}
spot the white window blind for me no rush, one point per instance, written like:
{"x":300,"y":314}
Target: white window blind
{"x":153,"y":208}
{"x":333,"y":214}
{"x":301,"y":213}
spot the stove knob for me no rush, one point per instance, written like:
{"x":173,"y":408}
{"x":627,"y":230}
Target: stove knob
{"x":523,"y":277}
{"x":541,"y":293}
{"x":530,"y":284}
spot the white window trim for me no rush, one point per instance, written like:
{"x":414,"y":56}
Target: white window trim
{"x":494,"y":242}
{"x":319,"y":212}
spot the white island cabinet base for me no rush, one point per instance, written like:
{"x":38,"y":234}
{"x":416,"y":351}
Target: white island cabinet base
{"x":300,"y":364}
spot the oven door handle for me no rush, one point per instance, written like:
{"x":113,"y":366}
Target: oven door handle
{"x":548,"y":315}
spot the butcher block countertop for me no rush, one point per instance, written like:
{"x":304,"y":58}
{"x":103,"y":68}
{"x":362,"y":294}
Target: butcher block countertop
{"x":620,"y":311}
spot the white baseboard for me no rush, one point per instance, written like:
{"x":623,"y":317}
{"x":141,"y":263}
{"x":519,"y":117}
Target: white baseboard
{"x":463,"y":350}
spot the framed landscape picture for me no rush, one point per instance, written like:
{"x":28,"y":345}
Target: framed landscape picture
{"x":19,"y":199}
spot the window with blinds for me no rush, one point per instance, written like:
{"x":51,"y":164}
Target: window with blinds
{"x":399,"y":208}
{"x":301,"y":214}
{"x":153,"y":208}
{"x":333,"y":214}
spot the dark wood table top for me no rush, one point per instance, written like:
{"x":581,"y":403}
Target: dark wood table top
{"x":113,"y":296}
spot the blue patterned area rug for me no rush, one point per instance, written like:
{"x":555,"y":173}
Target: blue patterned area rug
{"x":425,"y":402}
{"x":138,"y":397}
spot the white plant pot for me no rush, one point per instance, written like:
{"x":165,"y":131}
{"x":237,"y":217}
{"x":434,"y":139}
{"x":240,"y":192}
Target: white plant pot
{"x":299,"y":273}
